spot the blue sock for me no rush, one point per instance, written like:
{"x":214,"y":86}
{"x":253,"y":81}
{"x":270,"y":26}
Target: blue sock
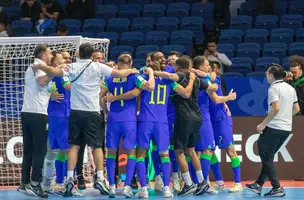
{"x":166,"y":170}
{"x":131,"y":163}
{"x":173,"y":160}
{"x":111,"y":165}
{"x":66,"y":168}
{"x":141,"y":171}
{"x":156,"y":161}
{"x":205,"y":163}
{"x":147,"y":163}
{"x":192,"y":171}
{"x":236,"y":168}
{"x":216,"y":169}
{"x":59,"y":164}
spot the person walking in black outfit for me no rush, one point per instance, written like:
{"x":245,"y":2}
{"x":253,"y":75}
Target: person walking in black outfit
{"x":275,"y":128}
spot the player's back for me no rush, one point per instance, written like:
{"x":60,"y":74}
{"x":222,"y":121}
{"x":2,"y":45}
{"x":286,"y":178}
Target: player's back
{"x":217,"y":111}
{"x":123,"y":110}
{"x":62,"y":108}
{"x":154,"y":104}
{"x":203,"y":102}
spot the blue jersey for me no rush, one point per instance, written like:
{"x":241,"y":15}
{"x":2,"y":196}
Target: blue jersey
{"x":123,"y":110}
{"x":153,"y":105}
{"x":203,"y":102}
{"x":61,"y":109}
{"x":217,"y":111}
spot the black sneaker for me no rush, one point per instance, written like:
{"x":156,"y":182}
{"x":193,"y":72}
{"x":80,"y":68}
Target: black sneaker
{"x":22,"y":189}
{"x":279,"y":192}
{"x":201,"y":188}
{"x":36,"y":191}
{"x":187,"y":190}
{"x":101,"y":186}
{"x":81,"y":183}
{"x":255,"y":188}
{"x":69,"y":185}
{"x":134,"y":183}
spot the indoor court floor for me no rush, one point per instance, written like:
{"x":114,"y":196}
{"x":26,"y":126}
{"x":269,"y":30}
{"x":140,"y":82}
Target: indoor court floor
{"x":294,"y":190}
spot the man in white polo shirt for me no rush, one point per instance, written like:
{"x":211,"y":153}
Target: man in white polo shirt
{"x":34,"y":119}
{"x":85,"y":119}
{"x":275,"y":128}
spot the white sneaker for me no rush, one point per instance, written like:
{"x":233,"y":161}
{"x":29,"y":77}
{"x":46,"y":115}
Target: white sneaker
{"x":167,"y":192}
{"x":127,"y":192}
{"x":176,"y":182}
{"x":159,"y":184}
{"x":236,"y":187}
{"x":212,"y":191}
{"x":142,"y":193}
{"x":112,"y":190}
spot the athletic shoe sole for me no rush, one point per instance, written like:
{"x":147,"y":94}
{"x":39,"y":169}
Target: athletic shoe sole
{"x":202,"y":190}
{"x":102,"y":189}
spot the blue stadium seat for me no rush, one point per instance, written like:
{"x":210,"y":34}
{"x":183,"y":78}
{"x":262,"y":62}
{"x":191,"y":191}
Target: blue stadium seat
{"x":256,"y":74}
{"x":183,"y":33}
{"x":84,"y":34}
{"x":112,"y":36}
{"x":142,"y":51}
{"x":133,"y":39}
{"x":300,"y":35}
{"x":159,"y":38}
{"x":237,"y":32}
{"x":296,"y":49}
{"x":166,"y":2}
{"x":144,"y":20}
{"x":177,"y":13}
{"x":259,"y":36}
{"x":139,"y":63}
{"x":168,"y":24}
{"x":266,"y":22}
{"x":248,"y":8}
{"x":179,"y":6}
{"x":291,"y":21}
{"x":94,"y":25}
{"x":50,"y":29}
{"x":230,"y":37}
{"x":13,"y":13}
{"x":194,"y":24}
{"x":141,"y":2}
{"x":233,"y":75}
{"x":284,"y":35}
{"x":285,"y":60}
{"x":242,"y":65}
{"x":154,"y":10}
{"x":73,"y":25}
{"x":115,"y":2}
{"x":204,"y":10}
{"x":129,"y":14}
{"x":280,"y":7}
{"x":241,"y":60}
{"x":118,"y":25}
{"x":32,"y":35}
{"x":143,"y":24}
{"x":263,"y":63}
{"x":190,"y":2}
{"x":227,"y":49}
{"x":250,"y":50}
{"x":168,"y":48}
{"x":117,"y":50}
{"x":186,"y":41}
{"x":241,"y":22}
{"x":296,"y":7}
{"x":275,"y":49}
{"x":106,"y":12}
{"x":22,"y":27}
{"x":130,"y":7}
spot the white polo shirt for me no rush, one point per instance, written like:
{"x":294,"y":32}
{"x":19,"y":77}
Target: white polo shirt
{"x":36,"y":98}
{"x":286,"y":95}
{"x":85,"y":91}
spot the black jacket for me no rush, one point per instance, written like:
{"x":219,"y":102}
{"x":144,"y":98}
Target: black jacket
{"x":299,"y":87}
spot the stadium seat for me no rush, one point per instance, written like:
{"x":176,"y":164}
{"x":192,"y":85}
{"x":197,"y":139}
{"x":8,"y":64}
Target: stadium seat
{"x":112,"y":36}
{"x":142,"y":51}
{"x":232,"y":75}
{"x":84,"y":34}
{"x":190,"y":2}
{"x":168,"y":24}
{"x":50,"y":29}
{"x":13,"y":13}
{"x":255,"y":74}
{"x":143,"y":24}
{"x":22,"y":27}
{"x":231,"y":36}
{"x":129,"y":14}
{"x":275,"y":49}
{"x":139,"y":63}
{"x":73,"y":25}
{"x":154,"y":10}
{"x":168,"y":48}
{"x":115,"y":2}
{"x":227,"y":49}
{"x":177,"y":13}
{"x":194,"y":24}
{"x":166,"y":2}
{"x":237,"y":32}
{"x":118,"y":25}
{"x":266,"y":22}
{"x":179,"y":6}
{"x":291,"y":21}
{"x":248,"y":8}
{"x":280,"y":7}
{"x":140,"y":2}
{"x":130,"y":7}
{"x":284,"y":35}
{"x":183,"y":33}
{"x":117,"y":50}
{"x":263,"y":63}
{"x":94,"y":25}
{"x":133,"y":39}
{"x":32,"y":35}
{"x":185,"y":40}
{"x":106,"y":12}
{"x":296,"y":7}
{"x":259,"y":36}
{"x":242,"y":65}
{"x":159,"y":38}
{"x":285,"y":60}
{"x":241,"y":22}
{"x":204,"y":10}
{"x":300,"y":35}
{"x":296,"y":49}
{"x":250,"y":50}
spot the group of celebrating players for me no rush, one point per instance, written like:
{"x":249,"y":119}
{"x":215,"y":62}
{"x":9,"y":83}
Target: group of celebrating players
{"x":176,"y":103}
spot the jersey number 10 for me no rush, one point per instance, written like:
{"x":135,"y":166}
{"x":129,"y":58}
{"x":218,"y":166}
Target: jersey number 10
{"x":160,"y":89}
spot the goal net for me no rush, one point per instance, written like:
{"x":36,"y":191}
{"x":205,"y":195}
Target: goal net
{"x":16,"y":54}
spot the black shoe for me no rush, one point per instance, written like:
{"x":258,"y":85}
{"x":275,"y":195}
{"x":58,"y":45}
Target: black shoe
{"x":81,"y":183}
{"x":255,"y":188}
{"x":69,"y":185}
{"x":101,"y":186}
{"x":22,"y":189}
{"x":134,"y":183}
{"x":201,"y":188}
{"x":279,"y":192}
{"x":187,"y":190}
{"x":36,"y":191}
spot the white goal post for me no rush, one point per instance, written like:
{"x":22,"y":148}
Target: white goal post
{"x":16,"y":54}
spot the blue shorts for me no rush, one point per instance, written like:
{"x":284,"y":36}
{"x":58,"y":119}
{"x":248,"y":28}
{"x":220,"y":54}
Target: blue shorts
{"x":223,"y":134}
{"x":125,"y":130}
{"x":206,"y":137}
{"x":159,"y":132}
{"x":58,"y":133}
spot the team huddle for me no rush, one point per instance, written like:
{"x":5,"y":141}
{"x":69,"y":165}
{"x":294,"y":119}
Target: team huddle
{"x":177,"y":105}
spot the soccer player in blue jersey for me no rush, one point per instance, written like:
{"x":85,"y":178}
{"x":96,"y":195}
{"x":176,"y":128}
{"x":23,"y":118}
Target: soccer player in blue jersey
{"x":58,"y":111}
{"x":122,"y":121}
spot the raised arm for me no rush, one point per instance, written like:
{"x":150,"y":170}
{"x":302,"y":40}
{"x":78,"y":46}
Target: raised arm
{"x":51,"y":71}
{"x":147,"y":85}
{"x":222,"y":99}
{"x":166,"y":75}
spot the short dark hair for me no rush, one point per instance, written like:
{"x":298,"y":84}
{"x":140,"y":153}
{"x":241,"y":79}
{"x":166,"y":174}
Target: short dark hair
{"x":3,"y":19}
{"x":277,"y":71}
{"x":153,"y":55}
{"x":85,"y":51}
{"x":182,"y":63}
{"x":213,"y":64}
{"x":39,"y":50}
{"x":198,"y":61}
{"x":176,"y":53}
{"x":125,"y":59}
{"x":155,"y":66}
{"x":296,"y":61}
{"x":212,"y":40}
{"x":62,"y":28}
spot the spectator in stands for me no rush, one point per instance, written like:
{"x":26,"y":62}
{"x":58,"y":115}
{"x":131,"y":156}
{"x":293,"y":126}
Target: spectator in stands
{"x":213,"y":55}
{"x":172,"y":57}
{"x":3,"y":25}
{"x":80,"y":9}
{"x":30,"y":10}
{"x":50,"y":9}
{"x":62,"y":30}
{"x":221,"y":12}
{"x":296,"y":79}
